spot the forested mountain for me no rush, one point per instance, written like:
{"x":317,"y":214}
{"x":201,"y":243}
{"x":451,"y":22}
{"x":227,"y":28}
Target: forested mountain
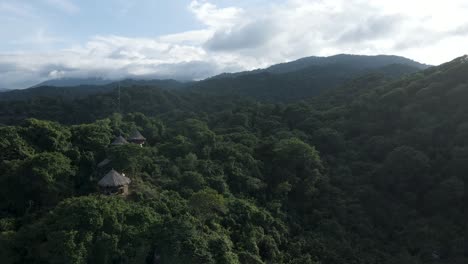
{"x":356,"y":61}
{"x":281,"y":83}
{"x":168,"y":84}
{"x":70,"y":82}
{"x":373,"y":171}
{"x":305,"y":77}
{"x":77,"y":82}
{"x":296,"y":85}
{"x":53,"y":91}
{"x":72,"y":92}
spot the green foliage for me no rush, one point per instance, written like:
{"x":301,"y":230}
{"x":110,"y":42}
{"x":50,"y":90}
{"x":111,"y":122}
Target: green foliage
{"x":91,"y":229}
{"x":206,"y":204}
{"x":129,"y":157}
{"x":13,"y":146}
{"x":47,"y":136}
{"x":406,"y":170}
{"x":41,"y":180}
{"x":92,"y":137}
{"x":372,"y":172}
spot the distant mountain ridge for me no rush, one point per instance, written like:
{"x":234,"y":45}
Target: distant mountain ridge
{"x":82,"y":90}
{"x":70,"y":82}
{"x":306,"y":77}
{"x":75,"y":82}
{"x":289,"y":81}
{"x":364,"y":61}
{"x":357,"y":61}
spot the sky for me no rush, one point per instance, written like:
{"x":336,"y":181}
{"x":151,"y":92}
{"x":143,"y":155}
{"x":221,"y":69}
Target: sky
{"x":195,"y":39}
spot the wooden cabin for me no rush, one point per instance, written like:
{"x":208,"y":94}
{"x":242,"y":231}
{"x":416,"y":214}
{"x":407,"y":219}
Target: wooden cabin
{"x":119,"y":141}
{"x":137,"y":138}
{"x":114,"y":183}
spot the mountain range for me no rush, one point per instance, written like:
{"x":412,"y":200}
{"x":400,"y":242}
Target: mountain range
{"x":356,"y":61}
{"x":306,"y":77}
{"x":289,"y":81}
{"x":70,"y":82}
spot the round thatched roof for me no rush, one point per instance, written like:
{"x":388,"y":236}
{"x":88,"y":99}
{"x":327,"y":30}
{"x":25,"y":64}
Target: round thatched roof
{"x":119,"y":141}
{"x":113,"y":179}
{"x":136,"y":135}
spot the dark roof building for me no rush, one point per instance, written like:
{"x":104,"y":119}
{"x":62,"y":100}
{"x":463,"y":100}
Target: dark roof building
{"x":136,"y":137}
{"x":119,"y":141}
{"x":114,"y":183}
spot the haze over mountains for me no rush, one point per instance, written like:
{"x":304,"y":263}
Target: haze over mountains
{"x":68,"y":82}
{"x":357,"y":61}
{"x":293,"y":80}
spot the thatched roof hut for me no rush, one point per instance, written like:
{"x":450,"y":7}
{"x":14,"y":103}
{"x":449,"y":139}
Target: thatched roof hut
{"x":136,"y":137}
{"x":119,"y":141}
{"x":114,"y":179}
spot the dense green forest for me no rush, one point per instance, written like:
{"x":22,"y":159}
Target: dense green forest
{"x":371,"y":172}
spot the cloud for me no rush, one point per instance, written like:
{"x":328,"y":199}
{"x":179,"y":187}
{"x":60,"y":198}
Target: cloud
{"x":7,"y":67}
{"x":371,"y":28}
{"x":214,"y":17}
{"x":113,"y":57}
{"x":231,"y":38}
{"x":195,"y":37}
{"x":249,"y":36}
{"x":461,"y":30}
{"x":64,"y":5}
{"x":298,"y":28}
{"x":16,"y":10}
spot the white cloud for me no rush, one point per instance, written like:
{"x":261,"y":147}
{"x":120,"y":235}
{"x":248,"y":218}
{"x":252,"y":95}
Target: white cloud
{"x":300,"y":28}
{"x":195,"y":37}
{"x":215,"y":17}
{"x":64,"y":5}
{"x":15,"y":10}
{"x":115,"y":57}
{"x":234,"y":38}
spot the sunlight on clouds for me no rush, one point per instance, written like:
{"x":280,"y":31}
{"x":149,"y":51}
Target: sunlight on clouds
{"x":215,"y":17}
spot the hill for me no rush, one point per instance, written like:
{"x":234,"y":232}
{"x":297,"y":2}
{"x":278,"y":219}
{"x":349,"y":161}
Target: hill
{"x":285,"y":82}
{"x":53,"y":91}
{"x":356,"y":61}
{"x":373,"y":171}
{"x":70,"y":82}
{"x":299,"y":84}
{"x":80,"y":91}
